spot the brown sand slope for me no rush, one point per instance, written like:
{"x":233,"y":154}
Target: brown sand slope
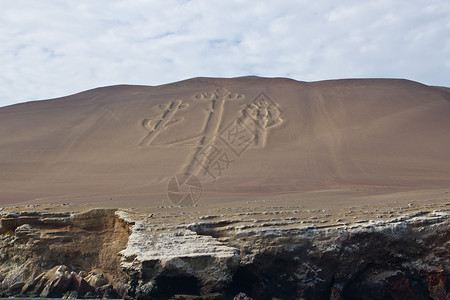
{"x":253,"y":136}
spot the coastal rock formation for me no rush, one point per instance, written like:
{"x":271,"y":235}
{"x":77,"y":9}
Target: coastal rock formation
{"x":190,"y":261}
{"x":264,"y":254}
{"x":47,"y":254}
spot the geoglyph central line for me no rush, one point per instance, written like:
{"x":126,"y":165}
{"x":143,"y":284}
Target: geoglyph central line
{"x":217,"y":99}
{"x":217,"y":146}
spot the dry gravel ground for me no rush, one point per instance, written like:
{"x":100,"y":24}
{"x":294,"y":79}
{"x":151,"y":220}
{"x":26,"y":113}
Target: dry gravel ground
{"x":321,"y":208}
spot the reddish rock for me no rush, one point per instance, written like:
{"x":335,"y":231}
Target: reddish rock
{"x":400,"y":288}
{"x":335,"y":294}
{"x":438,"y":285}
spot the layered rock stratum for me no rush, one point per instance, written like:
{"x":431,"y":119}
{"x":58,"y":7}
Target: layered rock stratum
{"x":229,"y":188}
{"x":285,"y":252}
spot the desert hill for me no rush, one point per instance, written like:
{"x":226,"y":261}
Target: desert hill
{"x":241,"y":137}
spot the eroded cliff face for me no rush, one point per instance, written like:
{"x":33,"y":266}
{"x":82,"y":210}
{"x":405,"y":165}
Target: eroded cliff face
{"x":47,"y":254}
{"x":280,"y":253}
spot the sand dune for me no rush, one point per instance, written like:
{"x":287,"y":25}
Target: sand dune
{"x":240,"y":137}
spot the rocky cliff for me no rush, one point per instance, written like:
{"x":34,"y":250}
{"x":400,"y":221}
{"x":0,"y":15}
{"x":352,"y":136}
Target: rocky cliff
{"x":281,"y":252}
{"x":47,"y":254}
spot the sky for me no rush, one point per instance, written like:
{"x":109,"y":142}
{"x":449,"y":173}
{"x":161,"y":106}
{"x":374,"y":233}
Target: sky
{"x":54,"y":48}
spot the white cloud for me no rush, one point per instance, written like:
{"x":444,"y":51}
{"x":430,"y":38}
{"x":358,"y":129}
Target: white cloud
{"x":51,"y":48}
